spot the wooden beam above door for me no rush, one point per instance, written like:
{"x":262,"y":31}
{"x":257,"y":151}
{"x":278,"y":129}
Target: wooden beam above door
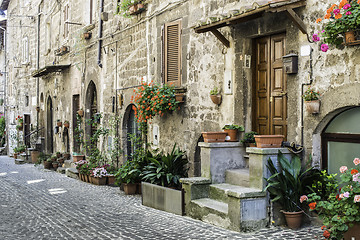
{"x":221,"y":37}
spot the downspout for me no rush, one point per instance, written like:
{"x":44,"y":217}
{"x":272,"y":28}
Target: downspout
{"x":5,"y":96}
{"x":38,"y":67}
{"x":100,"y":33}
{"x":302,"y":102}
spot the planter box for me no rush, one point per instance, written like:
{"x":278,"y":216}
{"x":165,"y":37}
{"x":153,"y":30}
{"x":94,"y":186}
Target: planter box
{"x":162,"y":198}
{"x":214,"y":136}
{"x":77,"y":158}
{"x":269,"y":141}
{"x":98,"y":180}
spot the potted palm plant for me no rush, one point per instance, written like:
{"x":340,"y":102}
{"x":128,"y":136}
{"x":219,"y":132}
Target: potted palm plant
{"x":128,"y":175}
{"x":232,"y":132}
{"x":287,"y":184}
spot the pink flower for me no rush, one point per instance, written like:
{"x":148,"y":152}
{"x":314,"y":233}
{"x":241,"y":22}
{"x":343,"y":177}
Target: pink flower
{"x":356,"y":177}
{"x":348,"y":13}
{"x":324,"y":47}
{"x":357,"y":198}
{"x":356,"y":161}
{"x":336,"y":11}
{"x":347,"y":6}
{"x":346,"y":194}
{"x":343,"y":169}
{"x":303,"y":198}
{"x":315,"y":38}
{"x":341,"y":195}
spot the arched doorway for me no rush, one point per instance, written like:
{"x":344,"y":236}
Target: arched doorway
{"x":49,"y":126}
{"x":341,"y":140}
{"x":131,"y":131}
{"x":91,"y":110}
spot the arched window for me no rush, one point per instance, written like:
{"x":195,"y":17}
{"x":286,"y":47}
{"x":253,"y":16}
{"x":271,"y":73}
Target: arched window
{"x":132,"y":132}
{"x":341,"y":140}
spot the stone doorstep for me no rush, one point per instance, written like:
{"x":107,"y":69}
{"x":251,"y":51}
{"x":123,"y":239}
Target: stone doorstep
{"x":238,"y":191}
{"x":61,"y":170}
{"x":69,"y":164}
{"x":238,"y":177}
{"x":72,"y":172}
{"x":212,"y":205}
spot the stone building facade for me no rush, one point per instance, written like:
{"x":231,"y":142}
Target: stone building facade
{"x":99,"y":74}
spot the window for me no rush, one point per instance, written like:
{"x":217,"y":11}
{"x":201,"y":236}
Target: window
{"x":172,"y":53}
{"x":88,"y":12}
{"x":25,"y":50}
{"x":48,"y":37}
{"x":66,"y":19}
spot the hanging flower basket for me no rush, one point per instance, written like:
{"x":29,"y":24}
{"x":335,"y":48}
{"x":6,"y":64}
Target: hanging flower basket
{"x":313,"y":106}
{"x":216,"y":99}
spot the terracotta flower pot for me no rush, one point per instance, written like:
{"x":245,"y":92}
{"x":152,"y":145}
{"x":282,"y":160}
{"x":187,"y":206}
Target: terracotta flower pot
{"x":15,"y":155}
{"x":47,"y":165}
{"x":77,"y":158}
{"x":80,"y":112}
{"x":34,"y":156}
{"x":293,"y":219}
{"x":59,"y":124}
{"x":66,"y":124}
{"x":352,"y":232}
{"x":67,"y":156}
{"x":130,"y":188}
{"x":269,"y":141}
{"x":55,"y":165}
{"x":313,"y":107}
{"x":216,"y":99}
{"x":210,"y":137}
{"x":350,"y":37}
{"x":110,"y":180}
{"x":232,"y":134}
{"x":180,"y":97}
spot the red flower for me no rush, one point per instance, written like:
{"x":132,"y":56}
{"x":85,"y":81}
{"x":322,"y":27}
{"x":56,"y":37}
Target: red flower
{"x":326,"y":234}
{"x":312,"y":205}
{"x":354,"y":171}
{"x":322,"y":228}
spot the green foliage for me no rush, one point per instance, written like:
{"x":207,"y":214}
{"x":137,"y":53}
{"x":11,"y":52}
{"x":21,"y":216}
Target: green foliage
{"x":339,"y":207}
{"x":2,"y":131}
{"x":233,"y":126}
{"x":214,"y":91}
{"x":287,"y":184}
{"x":249,"y":137}
{"x":124,"y":5}
{"x":42,"y":158}
{"x":166,"y":169}
{"x":310,"y":95}
{"x":128,"y":173}
{"x":19,"y":149}
{"x":325,"y":185}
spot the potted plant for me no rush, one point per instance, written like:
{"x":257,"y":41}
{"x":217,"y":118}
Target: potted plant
{"x":339,"y":20}
{"x":20,"y":121}
{"x":269,"y":141}
{"x":58,"y":123}
{"x":215,"y":96}
{"x":152,"y":100}
{"x":232,"y":132}
{"x":249,"y":139}
{"x":80,"y":112}
{"x":130,"y":7}
{"x":287,"y":184}
{"x":78,"y":156}
{"x":339,"y":211}
{"x":129,"y":176}
{"x":55,"y":165}
{"x":67,"y":124}
{"x":98,"y":176}
{"x":66,"y":155}
{"x":58,"y":154}
{"x":48,"y":163}
{"x":312,"y":100}
{"x":211,"y":137}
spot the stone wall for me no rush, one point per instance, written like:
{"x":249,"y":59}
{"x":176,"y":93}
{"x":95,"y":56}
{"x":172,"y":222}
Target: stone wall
{"x":131,"y":50}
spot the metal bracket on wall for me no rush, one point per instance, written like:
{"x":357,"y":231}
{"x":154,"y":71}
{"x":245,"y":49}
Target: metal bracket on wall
{"x":221,"y":37}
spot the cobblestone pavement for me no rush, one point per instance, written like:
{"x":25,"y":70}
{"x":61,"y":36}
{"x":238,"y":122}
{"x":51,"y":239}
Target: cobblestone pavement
{"x":42,"y":204}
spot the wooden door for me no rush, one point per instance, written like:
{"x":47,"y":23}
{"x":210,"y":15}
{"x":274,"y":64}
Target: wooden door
{"x":270,"y":96}
{"x":27,"y":130}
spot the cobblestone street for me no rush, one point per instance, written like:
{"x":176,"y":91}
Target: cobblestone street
{"x":41,"y":204}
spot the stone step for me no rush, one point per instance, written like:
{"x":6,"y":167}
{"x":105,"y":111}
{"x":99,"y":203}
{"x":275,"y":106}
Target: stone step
{"x":237,"y":191}
{"x":69,"y":164}
{"x":211,"y":211}
{"x":72,"y":172}
{"x":19,"y":161}
{"x":238,"y":177}
{"x":61,"y":170}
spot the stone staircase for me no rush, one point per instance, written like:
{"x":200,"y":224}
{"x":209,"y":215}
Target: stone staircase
{"x":229,"y":193}
{"x":232,"y":205}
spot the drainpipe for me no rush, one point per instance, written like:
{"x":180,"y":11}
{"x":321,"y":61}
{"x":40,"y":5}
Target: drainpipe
{"x":302,"y":102}
{"x":38,"y":67}
{"x":100,"y":33}
{"x":5,"y":102}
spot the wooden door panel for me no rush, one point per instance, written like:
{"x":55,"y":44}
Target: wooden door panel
{"x":270,"y":90}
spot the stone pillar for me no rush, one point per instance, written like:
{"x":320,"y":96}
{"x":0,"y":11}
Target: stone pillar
{"x":194,"y":188}
{"x":216,"y":158}
{"x":258,"y":158}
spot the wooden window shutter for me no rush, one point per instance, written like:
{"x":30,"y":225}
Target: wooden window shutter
{"x":172,"y":54}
